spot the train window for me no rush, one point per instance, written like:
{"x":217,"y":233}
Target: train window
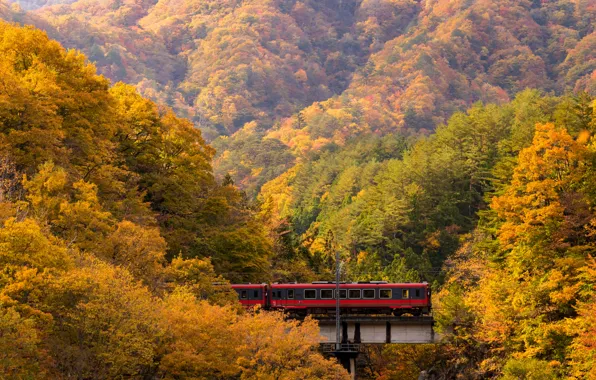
{"x":385,"y":293}
{"x":326,"y":294}
{"x":310,"y":294}
{"x":417,"y":293}
{"x":244,"y":294}
{"x":343,"y":294}
{"x":405,"y":294}
{"x":368,"y":293}
{"x":290,"y":294}
{"x":255,"y":294}
{"x":354,"y":293}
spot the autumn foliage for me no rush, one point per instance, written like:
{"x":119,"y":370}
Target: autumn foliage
{"x":520,"y":294}
{"x":311,"y":73}
{"x":448,"y":141}
{"x":112,"y":228}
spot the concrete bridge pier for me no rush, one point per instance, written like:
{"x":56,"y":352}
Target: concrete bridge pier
{"x":346,"y":354}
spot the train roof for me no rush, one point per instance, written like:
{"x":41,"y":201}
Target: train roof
{"x":248,"y":286}
{"x":331,"y":285}
{"x":348,"y":285}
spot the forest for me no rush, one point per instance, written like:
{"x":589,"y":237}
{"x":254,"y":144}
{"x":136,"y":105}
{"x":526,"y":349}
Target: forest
{"x":311,"y":73}
{"x":114,"y":232}
{"x":155,"y":151}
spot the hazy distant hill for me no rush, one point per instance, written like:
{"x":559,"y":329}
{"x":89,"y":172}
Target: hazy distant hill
{"x":354,"y":66}
{"x":457,"y":53}
{"x":35,"y":4}
{"x":224,"y":63}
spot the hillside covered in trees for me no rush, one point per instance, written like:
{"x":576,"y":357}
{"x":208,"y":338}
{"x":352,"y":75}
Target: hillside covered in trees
{"x":426,"y":140}
{"x":312,"y":73}
{"x":495,"y":209}
{"x":110,"y":222}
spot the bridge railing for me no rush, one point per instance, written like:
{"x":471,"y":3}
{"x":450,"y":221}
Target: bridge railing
{"x":343,"y":347}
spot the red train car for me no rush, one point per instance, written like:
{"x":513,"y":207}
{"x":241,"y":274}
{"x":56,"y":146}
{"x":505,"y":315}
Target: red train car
{"x":251,"y":295}
{"x":375,"y":297}
{"x":355,"y":298}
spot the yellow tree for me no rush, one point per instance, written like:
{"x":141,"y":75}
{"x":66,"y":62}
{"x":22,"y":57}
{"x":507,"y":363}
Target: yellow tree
{"x":583,"y":349}
{"x":550,"y":169}
{"x":27,"y":256}
{"x":198,"y":276}
{"x":510,"y":300}
{"x":106,"y":324}
{"x":205,"y":341}
{"x":582,"y":352}
{"x":23,"y":244}
{"x":72,"y":210}
{"x":54,"y":106}
{"x":200,"y":339}
{"x":276,"y":348}
{"x":141,"y":250}
{"x":21,"y":353}
{"x":524,"y":296}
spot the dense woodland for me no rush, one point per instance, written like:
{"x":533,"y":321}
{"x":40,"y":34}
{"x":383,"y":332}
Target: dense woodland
{"x":114,"y":232}
{"x":317,"y":72}
{"x":442,"y":141}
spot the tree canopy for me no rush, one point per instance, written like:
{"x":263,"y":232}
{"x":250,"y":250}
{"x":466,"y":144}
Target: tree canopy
{"x":116,"y":241}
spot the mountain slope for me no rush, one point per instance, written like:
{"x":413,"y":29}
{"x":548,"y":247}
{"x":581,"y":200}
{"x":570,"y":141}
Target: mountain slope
{"x":459,"y":52}
{"x":352,"y":66}
{"x":311,"y":74}
{"x":226,"y":63}
{"x":194,"y":55}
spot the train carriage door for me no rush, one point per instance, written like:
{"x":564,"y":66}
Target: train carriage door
{"x":428,"y":296}
{"x":290,"y":297}
{"x":298,"y":297}
{"x":267,"y":296}
{"x":273,"y":297}
{"x":281,"y":293}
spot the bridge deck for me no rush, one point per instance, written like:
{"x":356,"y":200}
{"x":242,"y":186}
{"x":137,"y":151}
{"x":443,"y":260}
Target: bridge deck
{"x":379,"y":329}
{"x":424,"y":320}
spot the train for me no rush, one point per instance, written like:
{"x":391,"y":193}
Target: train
{"x":372,"y":297}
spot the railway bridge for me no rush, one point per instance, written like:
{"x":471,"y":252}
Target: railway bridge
{"x":367,"y":329}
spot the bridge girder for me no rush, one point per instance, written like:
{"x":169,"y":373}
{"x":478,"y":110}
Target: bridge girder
{"x":380,"y":330}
